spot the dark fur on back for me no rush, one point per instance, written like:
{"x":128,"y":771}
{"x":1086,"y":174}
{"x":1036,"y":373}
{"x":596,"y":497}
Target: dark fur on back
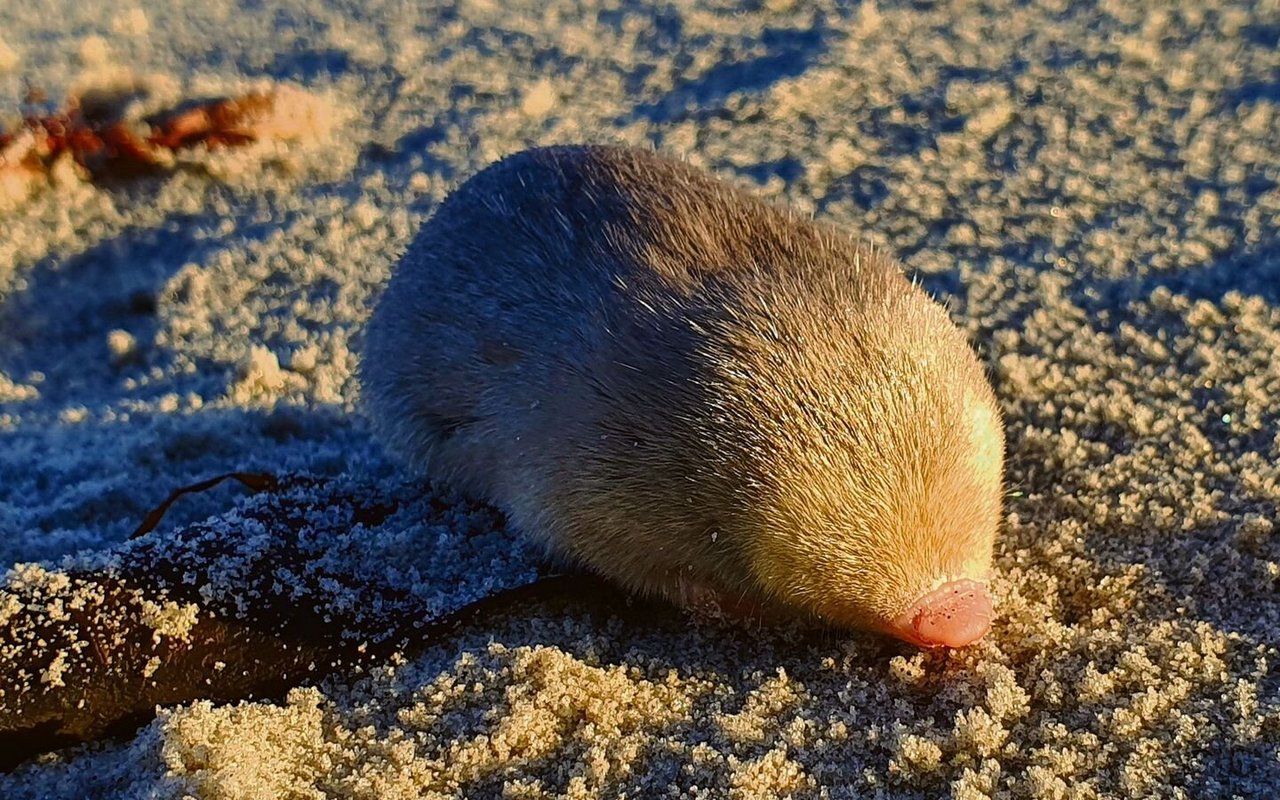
{"x":678,"y":384}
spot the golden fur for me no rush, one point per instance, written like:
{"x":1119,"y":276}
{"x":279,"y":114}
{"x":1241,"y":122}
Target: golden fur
{"x":688,"y":390}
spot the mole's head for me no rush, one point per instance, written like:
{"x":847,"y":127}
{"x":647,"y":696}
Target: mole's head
{"x":877,"y":501}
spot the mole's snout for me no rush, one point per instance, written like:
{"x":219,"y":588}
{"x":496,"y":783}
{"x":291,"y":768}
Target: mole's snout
{"x":956,"y":614}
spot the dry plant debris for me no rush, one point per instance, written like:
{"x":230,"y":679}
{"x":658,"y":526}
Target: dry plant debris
{"x":95,"y":138}
{"x":90,"y":652}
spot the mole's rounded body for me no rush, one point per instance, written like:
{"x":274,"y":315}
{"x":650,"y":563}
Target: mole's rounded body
{"x":695,"y":394}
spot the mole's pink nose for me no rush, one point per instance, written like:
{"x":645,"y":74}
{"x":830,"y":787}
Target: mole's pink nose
{"x":955,"y":614}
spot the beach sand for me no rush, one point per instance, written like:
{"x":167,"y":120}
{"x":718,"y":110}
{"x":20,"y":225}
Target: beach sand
{"x":1093,"y":187}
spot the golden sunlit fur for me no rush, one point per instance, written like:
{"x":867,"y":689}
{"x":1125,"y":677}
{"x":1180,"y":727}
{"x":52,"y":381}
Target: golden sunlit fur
{"x":687,"y":389}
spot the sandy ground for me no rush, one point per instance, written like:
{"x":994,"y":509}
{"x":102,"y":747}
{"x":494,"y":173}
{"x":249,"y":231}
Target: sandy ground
{"x":1094,"y":186}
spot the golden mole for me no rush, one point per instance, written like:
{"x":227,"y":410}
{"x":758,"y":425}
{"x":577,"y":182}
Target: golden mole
{"x":694,"y":394}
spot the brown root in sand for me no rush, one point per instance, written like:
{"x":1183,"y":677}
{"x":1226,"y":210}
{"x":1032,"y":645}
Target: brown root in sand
{"x":242,"y":607}
{"x":96,"y":138}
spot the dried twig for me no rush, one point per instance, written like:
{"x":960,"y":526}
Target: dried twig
{"x":241,"y":608}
